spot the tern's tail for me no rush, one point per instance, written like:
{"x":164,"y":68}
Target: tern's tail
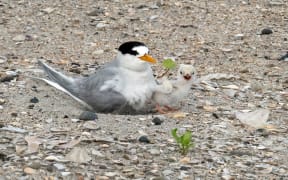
{"x":57,"y":79}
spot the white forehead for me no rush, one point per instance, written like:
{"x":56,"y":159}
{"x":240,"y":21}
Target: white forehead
{"x":142,"y":50}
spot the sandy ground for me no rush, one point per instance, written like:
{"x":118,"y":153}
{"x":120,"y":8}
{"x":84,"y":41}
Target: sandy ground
{"x":77,"y":37}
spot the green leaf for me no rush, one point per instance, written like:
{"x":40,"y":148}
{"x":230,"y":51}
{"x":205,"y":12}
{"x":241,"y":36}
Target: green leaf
{"x":175,"y":136}
{"x":169,"y":64}
{"x":186,"y":140}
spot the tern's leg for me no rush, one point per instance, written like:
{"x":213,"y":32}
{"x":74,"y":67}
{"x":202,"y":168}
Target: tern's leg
{"x":171,"y":108}
{"x":160,"y":109}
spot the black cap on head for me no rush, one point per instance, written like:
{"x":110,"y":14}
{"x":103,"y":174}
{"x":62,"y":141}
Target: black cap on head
{"x":126,"y":48}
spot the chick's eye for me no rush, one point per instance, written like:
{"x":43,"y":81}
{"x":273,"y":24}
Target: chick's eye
{"x":181,"y":72}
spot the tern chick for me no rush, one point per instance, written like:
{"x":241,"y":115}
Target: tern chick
{"x":170,"y":93}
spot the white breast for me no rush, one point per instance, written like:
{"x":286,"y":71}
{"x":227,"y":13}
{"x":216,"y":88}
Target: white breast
{"x":138,"y":87}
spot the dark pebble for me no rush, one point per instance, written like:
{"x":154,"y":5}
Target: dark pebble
{"x":31,"y":106}
{"x":88,"y":116}
{"x":157,"y":121}
{"x":7,"y":78}
{"x":144,"y":139}
{"x":184,"y":168}
{"x":215,"y":115}
{"x":14,"y":114}
{"x":34,"y":100}
{"x":284,"y":57}
{"x":266,"y":31}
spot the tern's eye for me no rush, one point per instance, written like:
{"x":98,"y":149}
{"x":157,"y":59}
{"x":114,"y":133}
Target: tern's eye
{"x":181,"y":72}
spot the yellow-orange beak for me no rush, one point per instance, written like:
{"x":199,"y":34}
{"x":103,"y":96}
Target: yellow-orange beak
{"x":148,"y":58}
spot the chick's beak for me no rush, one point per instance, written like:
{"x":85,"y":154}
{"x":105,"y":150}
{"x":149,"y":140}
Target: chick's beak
{"x":187,"y":77}
{"x":148,"y":58}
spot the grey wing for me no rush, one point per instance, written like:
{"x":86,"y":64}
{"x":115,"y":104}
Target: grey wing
{"x":105,"y":101}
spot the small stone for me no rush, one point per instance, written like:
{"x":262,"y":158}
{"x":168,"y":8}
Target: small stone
{"x":7,"y":77}
{"x":185,"y":160}
{"x":96,"y":12}
{"x":20,"y":37}
{"x":144,"y":139}
{"x":97,"y":153}
{"x":167,"y":172}
{"x":48,"y":10}
{"x":284,"y":57}
{"x":101,"y":25}
{"x":65,"y":173}
{"x":31,"y":106}
{"x":98,"y":52}
{"x":230,"y":92}
{"x":185,"y":168}
{"x":102,"y":178}
{"x":154,"y":151}
{"x":3,"y":59}
{"x":239,"y":36}
{"x":111,"y":174}
{"x":29,"y":170}
{"x":88,"y":116}
{"x":157,"y":121}
{"x":266,"y":31}
{"x":59,"y":166}
{"x":2,"y":101}
{"x":34,"y":100}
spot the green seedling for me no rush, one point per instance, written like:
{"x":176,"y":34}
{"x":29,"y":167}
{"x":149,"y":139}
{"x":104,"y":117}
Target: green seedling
{"x":184,"y":141}
{"x":169,"y":65}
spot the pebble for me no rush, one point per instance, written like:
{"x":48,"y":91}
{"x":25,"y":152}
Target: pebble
{"x":59,"y":166}
{"x":48,"y":10}
{"x":96,"y":12}
{"x":266,"y":31}
{"x":13,"y":129}
{"x":144,"y":139}
{"x":29,"y":170}
{"x":111,"y":174}
{"x":97,"y":153}
{"x":34,"y":100}
{"x":3,"y":59}
{"x":98,"y":52}
{"x":154,"y":151}
{"x":65,"y":173}
{"x":157,"y":121}
{"x":185,"y":168}
{"x":167,"y":172}
{"x":239,"y":36}
{"x":7,"y":77}
{"x":20,"y":37}
{"x":88,"y":116}
{"x":230,"y":92}
{"x":284,"y":57}
{"x":101,"y":25}
{"x":2,"y":101}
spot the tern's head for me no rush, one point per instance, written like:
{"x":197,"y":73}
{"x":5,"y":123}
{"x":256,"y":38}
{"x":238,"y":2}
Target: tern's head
{"x":186,"y":71}
{"x":134,"y":54}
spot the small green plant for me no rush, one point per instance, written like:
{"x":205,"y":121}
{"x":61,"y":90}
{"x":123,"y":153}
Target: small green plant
{"x":184,"y":141}
{"x":169,"y":64}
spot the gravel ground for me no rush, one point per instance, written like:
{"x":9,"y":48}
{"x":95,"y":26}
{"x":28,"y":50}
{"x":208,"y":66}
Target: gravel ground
{"x":42,"y":138}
